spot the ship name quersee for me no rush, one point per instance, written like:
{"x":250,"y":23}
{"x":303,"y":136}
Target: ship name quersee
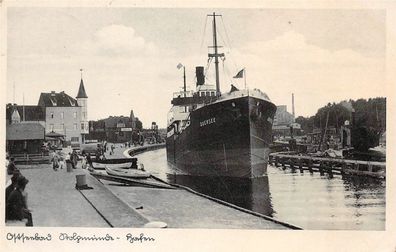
{"x":207,"y":121}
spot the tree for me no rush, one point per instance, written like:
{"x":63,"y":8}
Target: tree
{"x":368,"y":120}
{"x":139,"y":124}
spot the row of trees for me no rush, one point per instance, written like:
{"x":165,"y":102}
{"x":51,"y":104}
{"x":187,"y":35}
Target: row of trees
{"x":367,"y":118}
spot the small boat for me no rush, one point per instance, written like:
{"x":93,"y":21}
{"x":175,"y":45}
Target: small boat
{"x":123,"y":163}
{"x":128,"y":173}
{"x":116,"y":160}
{"x":101,"y":166}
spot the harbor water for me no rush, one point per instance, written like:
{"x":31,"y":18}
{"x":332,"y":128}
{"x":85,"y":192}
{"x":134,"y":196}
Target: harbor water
{"x":311,"y":201}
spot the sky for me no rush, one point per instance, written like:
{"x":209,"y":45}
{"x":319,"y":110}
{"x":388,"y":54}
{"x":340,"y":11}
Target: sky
{"x":129,"y":55}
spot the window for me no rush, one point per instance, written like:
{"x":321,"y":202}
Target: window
{"x":75,"y":115}
{"x":84,"y":114}
{"x":75,"y":139}
{"x":52,"y":114}
{"x":63,"y":127}
{"x":213,"y":93}
{"x":51,"y":127}
{"x":62,"y":115}
{"x":82,"y":126}
{"x":75,"y":126}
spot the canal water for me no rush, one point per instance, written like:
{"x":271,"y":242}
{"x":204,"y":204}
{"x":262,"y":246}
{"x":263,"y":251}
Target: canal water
{"x":311,"y":201}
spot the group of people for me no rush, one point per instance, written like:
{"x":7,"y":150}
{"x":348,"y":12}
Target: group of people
{"x":16,"y":197}
{"x":58,"y":161}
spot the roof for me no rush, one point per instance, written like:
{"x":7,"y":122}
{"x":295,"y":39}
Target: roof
{"x":25,"y":131}
{"x":81,"y":91}
{"x":32,"y":112}
{"x":57,"y":100}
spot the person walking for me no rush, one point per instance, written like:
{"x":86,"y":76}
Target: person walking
{"x":84,"y":160}
{"x":61,"y":160}
{"x":73,"y":159}
{"x":55,"y":161}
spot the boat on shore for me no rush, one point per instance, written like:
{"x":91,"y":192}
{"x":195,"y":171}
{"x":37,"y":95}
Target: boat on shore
{"x":101,"y":166}
{"x":124,"y":163}
{"x":210,"y":133}
{"x":127,"y":173}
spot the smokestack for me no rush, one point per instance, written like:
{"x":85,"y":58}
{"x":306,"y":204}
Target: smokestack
{"x":294,"y":116}
{"x":199,"y":72}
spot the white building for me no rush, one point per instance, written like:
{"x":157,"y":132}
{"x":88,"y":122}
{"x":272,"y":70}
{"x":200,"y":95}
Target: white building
{"x":66,"y":115}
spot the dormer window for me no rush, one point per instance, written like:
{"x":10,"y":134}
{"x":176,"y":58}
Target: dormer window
{"x":72,"y":103}
{"x":53,"y":100}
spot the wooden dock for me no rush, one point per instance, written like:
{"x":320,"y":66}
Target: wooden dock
{"x":330,"y":166}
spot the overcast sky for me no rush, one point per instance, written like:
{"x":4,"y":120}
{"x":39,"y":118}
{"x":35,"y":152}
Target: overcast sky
{"x":129,"y":55}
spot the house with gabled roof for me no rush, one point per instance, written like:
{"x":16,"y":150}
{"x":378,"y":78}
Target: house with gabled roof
{"x":66,"y":115}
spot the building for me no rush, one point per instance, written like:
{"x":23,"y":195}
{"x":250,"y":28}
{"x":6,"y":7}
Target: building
{"x":64,"y":118}
{"x":66,"y":115}
{"x":115,"y":129}
{"x":282,"y":117}
{"x":284,"y":123}
{"x":17,"y":113}
{"x":24,"y":137}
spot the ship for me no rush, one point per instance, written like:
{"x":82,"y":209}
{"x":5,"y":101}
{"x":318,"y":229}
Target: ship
{"x":210,"y":133}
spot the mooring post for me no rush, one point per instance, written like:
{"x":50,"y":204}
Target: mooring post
{"x":300,"y":165}
{"x":310,"y":163}
{"x":330,"y":169}
{"x":343,"y":167}
{"x":291,"y":162}
{"x":276,"y":161}
{"x":283,"y":163}
{"x":321,"y":165}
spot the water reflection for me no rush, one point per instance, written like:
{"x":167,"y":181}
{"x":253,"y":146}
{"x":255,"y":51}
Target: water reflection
{"x":311,"y":201}
{"x":247,"y":193}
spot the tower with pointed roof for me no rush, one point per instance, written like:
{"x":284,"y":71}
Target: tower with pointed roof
{"x":82,"y":99}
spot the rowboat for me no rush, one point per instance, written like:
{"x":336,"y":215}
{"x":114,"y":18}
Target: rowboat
{"x":123,"y":163}
{"x":128,"y":173}
{"x":101,"y":166}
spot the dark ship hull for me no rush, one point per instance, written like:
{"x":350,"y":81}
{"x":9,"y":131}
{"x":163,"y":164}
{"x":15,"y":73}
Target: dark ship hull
{"x":228,"y":138}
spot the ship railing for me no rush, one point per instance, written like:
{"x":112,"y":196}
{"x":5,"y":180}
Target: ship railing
{"x":182,"y":94}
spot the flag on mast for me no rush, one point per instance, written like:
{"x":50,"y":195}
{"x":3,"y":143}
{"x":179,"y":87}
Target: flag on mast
{"x":239,"y":74}
{"x":180,"y":65}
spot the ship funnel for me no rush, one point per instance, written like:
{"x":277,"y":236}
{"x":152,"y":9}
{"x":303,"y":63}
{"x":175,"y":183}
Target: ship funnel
{"x":199,"y":72}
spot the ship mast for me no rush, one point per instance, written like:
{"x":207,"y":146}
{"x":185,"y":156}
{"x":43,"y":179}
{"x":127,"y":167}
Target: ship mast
{"x":216,"y":55}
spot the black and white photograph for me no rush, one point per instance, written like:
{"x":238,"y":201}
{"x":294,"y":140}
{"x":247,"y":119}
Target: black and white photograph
{"x":128,"y":122}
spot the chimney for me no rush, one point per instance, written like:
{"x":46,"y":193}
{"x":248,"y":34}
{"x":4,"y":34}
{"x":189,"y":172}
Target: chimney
{"x":294,"y":116}
{"x":199,"y":72}
{"x":52,"y":93}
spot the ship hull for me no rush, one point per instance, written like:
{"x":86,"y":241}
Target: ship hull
{"x":230,"y":138}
